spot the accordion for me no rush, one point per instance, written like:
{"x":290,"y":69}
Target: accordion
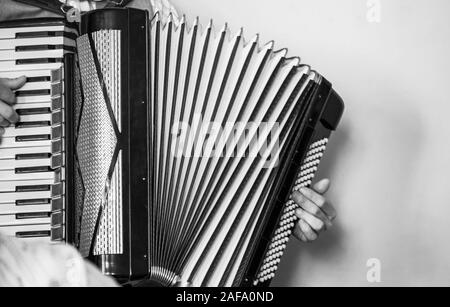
{"x":165,"y":151}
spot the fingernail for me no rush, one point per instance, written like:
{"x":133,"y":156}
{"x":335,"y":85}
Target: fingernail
{"x":14,"y":118}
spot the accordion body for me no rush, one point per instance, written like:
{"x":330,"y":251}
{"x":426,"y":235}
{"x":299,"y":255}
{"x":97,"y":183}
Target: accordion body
{"x":183,"y":145}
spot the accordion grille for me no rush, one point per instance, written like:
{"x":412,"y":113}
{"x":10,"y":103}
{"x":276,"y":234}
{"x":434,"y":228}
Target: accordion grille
{"x":109,"y":239}
{"x":97,"y":148}
{"x":79,"y":186}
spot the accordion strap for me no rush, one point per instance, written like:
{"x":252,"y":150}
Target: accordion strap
{"x":61,"y":8}
{"x":53,"y":6}
{"x":118,"y":3}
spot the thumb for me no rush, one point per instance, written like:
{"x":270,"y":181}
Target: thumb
{"x":322,"y":186}
{"x":15,"y":84}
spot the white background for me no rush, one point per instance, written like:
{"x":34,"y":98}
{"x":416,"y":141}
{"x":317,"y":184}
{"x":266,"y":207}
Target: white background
{"x":390,"y":160}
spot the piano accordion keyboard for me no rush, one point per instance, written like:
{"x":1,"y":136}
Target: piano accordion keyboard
{"x":32,"y":152}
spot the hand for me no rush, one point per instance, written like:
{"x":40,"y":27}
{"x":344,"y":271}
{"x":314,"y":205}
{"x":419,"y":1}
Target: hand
{"x":7,"y":99}
{"x":315,"y":214}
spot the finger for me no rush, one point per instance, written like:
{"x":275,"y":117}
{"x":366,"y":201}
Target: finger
{"x":316,"y":224}
{"x":322,"y":186}
{"x":321,"y":202}
{"x":6,"y":95}
{"x":2,"y":131}
{"x":8,"y":113}
{"x":311,"y":208}
{"x":307,"y":230}
{"x":313,"y":196}
{"x":298,"y":233}
{"x":330,"y":211}
{"x":3,"y":122}
{"x":14,"y":84}
{"x":7,"y":86}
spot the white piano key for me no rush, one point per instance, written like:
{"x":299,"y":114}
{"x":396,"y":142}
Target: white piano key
{"x":12,"y":44}
{"x":12,"y":66}
{"x":47,"y":117}
{"x":12,"y":176}
{"x":27,"y":73}
{"x":32,"y":86}
{"x":12,"y":55}
{"x":10,"y":186}
{"x":33,"y":99}
{"x":13,"y":131}
{"x":13,"y":164}
{"x":12,"y":220}
{"x":10,"y":33}
{"x":12,"y":231}
{"x":56,"y":103}
{"x":37,"y":118}
{"x":54,"y":162}
{"x":40,"y":105}
{"x":12,"y":143}
{"x":10,"y":153}
{"x":12,"y":208}
{"x":12,"y":197}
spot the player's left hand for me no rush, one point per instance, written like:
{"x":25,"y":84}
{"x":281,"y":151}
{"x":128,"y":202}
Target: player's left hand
{"x":8,"y":115}
{"x":315,"y":214}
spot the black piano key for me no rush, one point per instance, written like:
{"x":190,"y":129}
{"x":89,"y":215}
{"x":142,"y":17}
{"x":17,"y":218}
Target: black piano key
{"x":45,"y":47}
{"x":32,"y":234}
{"x":36,"y":169}
{"x":32,"y":93}
{"x":38,"y":61}
{"x":32,"y":138}
{"x":41,"y":34}
{"x":32,"y":215}
{"x":35,"y":111}
{"x":38,"y":79}
{"x":33,"y":156}
{"x":32,"y":202}
{"x":33,"y":188}
{"x":32,"y":124}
